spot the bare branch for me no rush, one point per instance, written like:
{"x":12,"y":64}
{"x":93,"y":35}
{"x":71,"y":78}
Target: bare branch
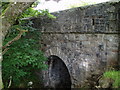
{"x":5,"y":50}
{"x":13,"y":40}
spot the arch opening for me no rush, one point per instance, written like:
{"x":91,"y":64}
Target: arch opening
{"x":59,"y":76}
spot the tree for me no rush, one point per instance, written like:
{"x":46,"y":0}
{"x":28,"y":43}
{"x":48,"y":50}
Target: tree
{"x":7,"y":19}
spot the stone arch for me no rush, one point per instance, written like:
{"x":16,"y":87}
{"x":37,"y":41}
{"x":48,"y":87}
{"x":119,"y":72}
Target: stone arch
{"x":57,"y":52}
{"x":58,"y":74}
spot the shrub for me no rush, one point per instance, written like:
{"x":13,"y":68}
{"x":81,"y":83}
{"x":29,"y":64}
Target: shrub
{"x":23,"y":58}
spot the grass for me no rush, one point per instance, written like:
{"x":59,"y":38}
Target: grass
{"x":115,"y":75}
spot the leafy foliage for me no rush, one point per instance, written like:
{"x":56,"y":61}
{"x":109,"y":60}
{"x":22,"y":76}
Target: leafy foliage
{"x":4,"y":5}
{"x":115,"y":75}
{"x":30,"y":12}
{"x":23,"y":58}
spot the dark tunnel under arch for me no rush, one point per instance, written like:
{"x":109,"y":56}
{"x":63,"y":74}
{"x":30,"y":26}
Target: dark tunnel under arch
{"x":59,"y":74}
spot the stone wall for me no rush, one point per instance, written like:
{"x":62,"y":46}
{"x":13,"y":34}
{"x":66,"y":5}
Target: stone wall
{"x":85,"y":38}
{"x":98,"y":18}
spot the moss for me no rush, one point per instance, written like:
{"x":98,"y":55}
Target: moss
{"x":115,"y":75}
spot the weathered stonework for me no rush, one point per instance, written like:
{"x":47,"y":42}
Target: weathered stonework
{"x":85,"y":38}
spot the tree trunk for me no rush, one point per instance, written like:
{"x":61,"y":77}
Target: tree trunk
{"x":1,"y":84}
{"x":7,"y":19}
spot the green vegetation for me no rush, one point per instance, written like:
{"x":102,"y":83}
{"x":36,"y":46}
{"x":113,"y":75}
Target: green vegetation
{"x":4,"y":6}
{"x":115,"y":75}
{"x":30,"y":12}
{"x":24,"y":57}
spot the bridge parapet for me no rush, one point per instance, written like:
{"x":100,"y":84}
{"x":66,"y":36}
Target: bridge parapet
{"x":85,"y":38}
{"x":100,"y":18}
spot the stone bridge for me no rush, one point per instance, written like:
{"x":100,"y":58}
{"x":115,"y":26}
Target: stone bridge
{"x":79,"y":41}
